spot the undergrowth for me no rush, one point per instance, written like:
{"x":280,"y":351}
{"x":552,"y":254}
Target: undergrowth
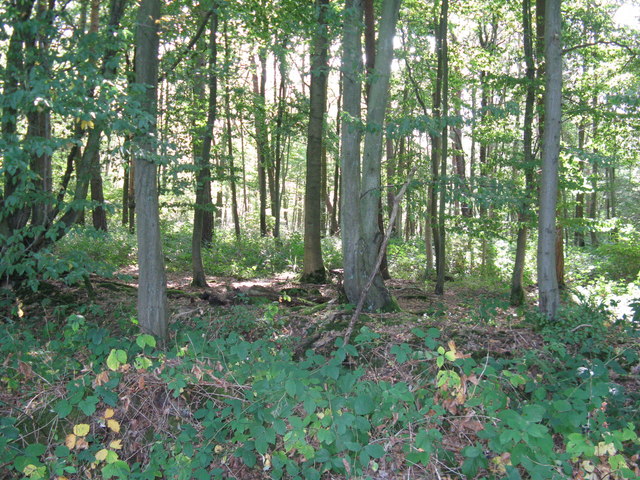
{"x":78,"y":402}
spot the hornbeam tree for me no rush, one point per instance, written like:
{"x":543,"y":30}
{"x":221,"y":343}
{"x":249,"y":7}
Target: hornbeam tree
{"x":152,"y":295}
{"x":362,"y":249}
{"x":547,"y":281}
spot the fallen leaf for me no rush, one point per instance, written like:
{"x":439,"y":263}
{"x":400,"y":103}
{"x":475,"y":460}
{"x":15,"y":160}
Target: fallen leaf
{"x":101,"y":455}
{"x":101,"y":378}
{"x":113,"y":425}
{"x":25,"y":370}
{"x":108,"y":413}
{"x":70,"y":441}
{"x":81,"y":444}
{"x":115,"y":444}
{"x":81,"y":430}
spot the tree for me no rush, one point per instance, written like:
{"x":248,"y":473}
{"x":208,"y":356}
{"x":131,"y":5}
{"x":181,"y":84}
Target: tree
{"x":203,"y":169}
{"x":152,"y":297}
{"x":313,"y":269}
{"x":524,"y":214}
{"x":350,"y":138}
{"x":362,"y":250}
{"x":547,"y":281}
{"x":441,"y":147}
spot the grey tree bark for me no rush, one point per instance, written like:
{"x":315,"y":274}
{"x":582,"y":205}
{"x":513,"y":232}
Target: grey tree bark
{"x":547,"y":282}
{"x":350,"y":139}
{"x":313,"y":266}
{"x":378,"y":297}
{"x":152,"y":297}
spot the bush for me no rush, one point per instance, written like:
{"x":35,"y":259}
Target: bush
{"x":216,"y":404}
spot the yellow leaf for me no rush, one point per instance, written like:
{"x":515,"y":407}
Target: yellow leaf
{"x":101,"y":455}
{"x":218,"y":449}
{"x":108,"y":413}
{"x":81,"y":430}
{"x":452,"y":346}
{"x":605,"y":448}
{"x":29,"y":469}
{"x":62,"y":478}
{"x":113,"y":425}
{"x":116,"y":444}
{"x":70,"y":441}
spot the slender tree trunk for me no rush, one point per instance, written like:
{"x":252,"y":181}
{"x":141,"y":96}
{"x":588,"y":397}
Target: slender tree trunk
{"x":524,"y":214}
{"x":203,"y":169}
{"x":227,"y":112}
{"x":593,"y":205}
{"x":125,"y":193}
{"x":578,"y":237}
{"x":547,"y":280}
{"x":259,"y":85}
{"x":444,"y":53}
{"x":132,"y":190}
{"x":313,"y":268}
{"x":152,"y":298}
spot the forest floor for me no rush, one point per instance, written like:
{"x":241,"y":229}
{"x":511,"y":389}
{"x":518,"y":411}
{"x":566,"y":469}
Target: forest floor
{"x":474,"y":321}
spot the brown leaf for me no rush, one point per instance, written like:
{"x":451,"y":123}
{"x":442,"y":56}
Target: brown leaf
{"x":101,"y":378}
{"x":25,"y":370}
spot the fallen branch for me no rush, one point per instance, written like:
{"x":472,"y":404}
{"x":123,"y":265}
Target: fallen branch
{"x":376,"y":267}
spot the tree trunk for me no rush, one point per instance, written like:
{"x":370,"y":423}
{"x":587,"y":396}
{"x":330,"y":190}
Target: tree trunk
{"x":152,"y":298}
{"x":313,"y":268}
{"x":227,"y":112}
{"x":524,"y":214}
{"x":350,"y":139}
{"x":578,"y":237}
{"x":444,"y":60}
{"x":378,"y":297}
{"x":262,"y":140}
{"x":203,"y":169}
{"x":547,"y":280}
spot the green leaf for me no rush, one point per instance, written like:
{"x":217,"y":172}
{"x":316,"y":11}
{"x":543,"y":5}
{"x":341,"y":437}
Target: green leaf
{"x":261,"y":445}
{"x":363,"y":404}
{"x":472,"y":451}
{"x":291,"y":387}
{"x":62,"y":408}
{"x":88,"y":405}
{"x":116,"y":358}
{"x":35,"y":450}
{"x":326,"y":436}
{"x":375,"y":450}
{"x":145,"y":339}
{"x":62,"y":451}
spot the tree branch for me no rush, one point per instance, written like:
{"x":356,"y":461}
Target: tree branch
{"x":185,"y":50}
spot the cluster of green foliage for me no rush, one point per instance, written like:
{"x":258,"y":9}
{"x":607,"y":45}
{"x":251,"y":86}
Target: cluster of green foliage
{"x":214,"y":398}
